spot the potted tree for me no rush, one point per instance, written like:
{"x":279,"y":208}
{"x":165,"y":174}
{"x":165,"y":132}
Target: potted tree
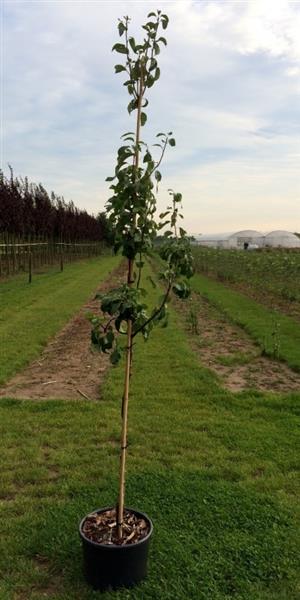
{"x":115,"y":539}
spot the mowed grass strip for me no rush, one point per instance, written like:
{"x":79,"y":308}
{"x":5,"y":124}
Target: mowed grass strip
{"x":276,"y":334}
{"x":31,"y":314}
{"x":216,"y":471}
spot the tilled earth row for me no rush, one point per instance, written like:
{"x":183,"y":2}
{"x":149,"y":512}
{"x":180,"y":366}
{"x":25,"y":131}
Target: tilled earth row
{"x":68,"y":368}
{"x":230,"y":353}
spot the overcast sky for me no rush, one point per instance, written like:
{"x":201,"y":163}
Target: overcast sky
{"x":229,"y":90}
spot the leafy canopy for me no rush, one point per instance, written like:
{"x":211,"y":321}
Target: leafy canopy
{"x":132,"y":205}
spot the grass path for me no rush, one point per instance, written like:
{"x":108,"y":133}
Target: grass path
{"x":216,"y":471}
{"x":31,"y":314}
{"x":268,"y":328}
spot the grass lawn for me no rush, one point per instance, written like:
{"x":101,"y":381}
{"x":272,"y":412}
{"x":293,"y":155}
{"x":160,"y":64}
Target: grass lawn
{"x":31,"y":314}
{"x":268,"y":328}
{"x":216,"y":471}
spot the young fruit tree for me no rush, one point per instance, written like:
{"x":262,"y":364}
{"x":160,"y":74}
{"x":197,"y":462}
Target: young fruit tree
{"x":132,"y":211}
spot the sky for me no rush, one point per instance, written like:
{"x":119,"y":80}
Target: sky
{"x":229,"y":90}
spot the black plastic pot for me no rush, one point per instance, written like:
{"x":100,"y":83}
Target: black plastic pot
{"x":115,"y":566}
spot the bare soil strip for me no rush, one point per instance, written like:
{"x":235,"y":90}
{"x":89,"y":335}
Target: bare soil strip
{"x":68,"y":368}
{"x":230,"y":353}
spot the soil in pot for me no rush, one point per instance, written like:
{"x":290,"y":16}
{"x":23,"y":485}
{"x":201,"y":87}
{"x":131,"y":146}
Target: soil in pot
{"x":110,"y":563}
{"x":102,"y":528}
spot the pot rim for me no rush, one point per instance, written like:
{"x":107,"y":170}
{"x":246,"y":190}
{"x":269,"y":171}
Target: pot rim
{"x":116,"y":546}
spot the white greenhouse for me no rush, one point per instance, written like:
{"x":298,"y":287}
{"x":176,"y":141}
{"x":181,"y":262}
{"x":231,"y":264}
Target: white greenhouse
{"x":281,"y":239}
{"x":218,"y":240}
{"x":247,"y":237}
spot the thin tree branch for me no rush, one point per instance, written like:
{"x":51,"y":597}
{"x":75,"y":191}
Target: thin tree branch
{"x":157,"y":311}
{"x":162,"y":155}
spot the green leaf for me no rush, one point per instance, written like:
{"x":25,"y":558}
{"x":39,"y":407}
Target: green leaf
{"x":161,"y":315}
{"x":133,"y":104}
{"x":121,"y":325}
{"x":121,"y":48}
{"x":109,"y":178}
{"x":157,"y":175}
{"x":149,"y":278}
{"x":162,"y":225}
{"x":157,"y":74}
{"x":115,"y":356}
{"x":163,"y":40}
{"x":153,"y":64}
{"x":172,"y":142}
{"x":132,"y":44}
{"x":119,"y":68}
{"x":143,"y":118}
{"x":110,"y":336}
{"x":121,"y":28}
{"x":177,"y":197}
{"x":94,"y":338}
{"x":164,"y":21}
{"x":151,"y":14}
{"x":147,"y":157}
{"x":156,"y":48}
{"x":150,"y":81}
{"x":128,"y":133}
{"x":182,"y":290}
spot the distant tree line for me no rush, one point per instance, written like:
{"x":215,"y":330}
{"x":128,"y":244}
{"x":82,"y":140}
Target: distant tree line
{"x":28,"y":212}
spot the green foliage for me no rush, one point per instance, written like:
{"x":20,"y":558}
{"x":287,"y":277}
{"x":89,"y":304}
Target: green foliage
{"x":132,"y":206}
{"x":273,"y":273}
{"x":106,"y":228}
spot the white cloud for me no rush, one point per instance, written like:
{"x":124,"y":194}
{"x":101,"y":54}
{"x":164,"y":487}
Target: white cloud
{"x":229,"y":89}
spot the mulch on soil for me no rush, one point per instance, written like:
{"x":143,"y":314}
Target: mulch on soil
{"x":102,"y":528}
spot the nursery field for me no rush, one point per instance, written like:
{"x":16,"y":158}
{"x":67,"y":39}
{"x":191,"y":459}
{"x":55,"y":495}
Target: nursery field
{"x":31,"y":314}
{"x":272,"y":276}
{"x":216,"y":469}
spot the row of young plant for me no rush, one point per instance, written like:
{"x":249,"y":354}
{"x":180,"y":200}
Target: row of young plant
{"x":30,"y":257}
{"x":276,"y":272}
{"x":38,"y":229}
{"x":29,"y":213}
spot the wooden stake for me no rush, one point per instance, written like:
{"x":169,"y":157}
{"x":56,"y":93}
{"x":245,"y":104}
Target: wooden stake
{"x":130,"y":281}
{"x":124,"y":433}
{"x":29,"y":266}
